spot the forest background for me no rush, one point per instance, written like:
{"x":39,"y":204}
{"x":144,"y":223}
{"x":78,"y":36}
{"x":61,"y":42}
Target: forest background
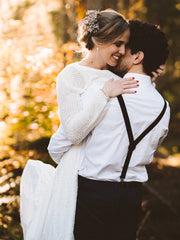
{"x":38,"y":38}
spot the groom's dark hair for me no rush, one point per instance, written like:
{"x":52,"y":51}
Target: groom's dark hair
{"x":149,"y":39}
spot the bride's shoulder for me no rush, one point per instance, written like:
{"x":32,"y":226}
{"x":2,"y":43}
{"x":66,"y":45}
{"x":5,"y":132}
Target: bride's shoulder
{"x":71,"y":76}
{"x":69,"y":69}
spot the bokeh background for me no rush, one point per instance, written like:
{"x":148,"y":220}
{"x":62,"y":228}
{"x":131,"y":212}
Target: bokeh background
{"x":37,"y":39}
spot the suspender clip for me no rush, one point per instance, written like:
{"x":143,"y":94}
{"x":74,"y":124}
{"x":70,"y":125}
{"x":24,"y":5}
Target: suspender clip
{"x":122,"y":180}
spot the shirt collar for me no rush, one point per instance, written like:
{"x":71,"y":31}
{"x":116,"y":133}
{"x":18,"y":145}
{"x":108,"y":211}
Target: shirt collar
{"x":142,"y":78}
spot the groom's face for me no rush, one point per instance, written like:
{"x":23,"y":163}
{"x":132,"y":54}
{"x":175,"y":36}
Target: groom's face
{"x":125,"y":62}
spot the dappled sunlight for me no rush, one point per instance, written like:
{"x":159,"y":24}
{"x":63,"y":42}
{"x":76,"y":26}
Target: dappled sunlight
{"x":171,"y":161}
{"x":9,"y":199}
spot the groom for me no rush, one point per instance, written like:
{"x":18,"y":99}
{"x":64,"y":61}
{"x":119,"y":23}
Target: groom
{"x":117,"y":150}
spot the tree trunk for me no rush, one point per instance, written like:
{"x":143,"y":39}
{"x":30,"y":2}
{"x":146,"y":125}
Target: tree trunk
{"x":65,"y":37}
{"x":72,"y":19}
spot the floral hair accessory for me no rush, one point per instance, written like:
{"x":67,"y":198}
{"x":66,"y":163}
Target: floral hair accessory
{"x":91,"y":21}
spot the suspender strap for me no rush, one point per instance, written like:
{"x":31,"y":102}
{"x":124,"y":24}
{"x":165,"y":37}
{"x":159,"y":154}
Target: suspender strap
{"x":132,"y":142}
{"x":153,"y":124}
{"x":126,"y":119}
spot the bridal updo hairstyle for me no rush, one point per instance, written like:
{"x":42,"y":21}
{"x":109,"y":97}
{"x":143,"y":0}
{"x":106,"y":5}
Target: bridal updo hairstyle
{"x":101,"y":27}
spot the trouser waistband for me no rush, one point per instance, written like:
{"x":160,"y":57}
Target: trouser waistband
{"x":107,"y":183}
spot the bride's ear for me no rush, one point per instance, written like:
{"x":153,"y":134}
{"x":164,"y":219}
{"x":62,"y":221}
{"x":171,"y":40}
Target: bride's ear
{"x":138,"y":57}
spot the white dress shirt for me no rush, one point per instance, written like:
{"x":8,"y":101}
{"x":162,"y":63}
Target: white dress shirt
{"x":104,"y":150}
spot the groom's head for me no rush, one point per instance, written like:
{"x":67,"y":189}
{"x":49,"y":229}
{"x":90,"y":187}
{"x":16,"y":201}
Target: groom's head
{"x":146,"y":50}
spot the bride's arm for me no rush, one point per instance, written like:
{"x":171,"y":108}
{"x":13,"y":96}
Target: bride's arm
{"x":59,"y":144}
{"x":78,"y":121}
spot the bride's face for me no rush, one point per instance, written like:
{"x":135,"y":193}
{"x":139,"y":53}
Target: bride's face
{"x":109,"y":54}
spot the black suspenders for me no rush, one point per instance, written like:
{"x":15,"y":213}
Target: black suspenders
{"x":132,"y":142}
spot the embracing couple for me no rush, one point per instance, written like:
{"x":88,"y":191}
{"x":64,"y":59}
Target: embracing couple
{"x":110,"y":129}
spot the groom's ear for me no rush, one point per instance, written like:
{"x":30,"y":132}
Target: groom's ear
{"x":138,"y":57}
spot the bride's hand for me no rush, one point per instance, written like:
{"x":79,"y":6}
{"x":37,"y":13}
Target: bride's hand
{"x":157,"y":73}
{"x":114,"y":88}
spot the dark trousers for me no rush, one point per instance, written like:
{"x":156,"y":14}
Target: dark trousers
{"x":107,"y":210}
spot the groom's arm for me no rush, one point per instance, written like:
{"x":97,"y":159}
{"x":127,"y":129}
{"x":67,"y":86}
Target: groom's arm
{"x":58,"y":145}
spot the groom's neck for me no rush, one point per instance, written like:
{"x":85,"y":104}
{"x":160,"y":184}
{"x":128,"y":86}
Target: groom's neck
{"x":137,"y":69}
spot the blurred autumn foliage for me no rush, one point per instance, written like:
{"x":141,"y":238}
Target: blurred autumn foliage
{"x":38,"y":38}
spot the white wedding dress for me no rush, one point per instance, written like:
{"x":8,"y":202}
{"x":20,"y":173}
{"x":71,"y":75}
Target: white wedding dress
{"x":48,"y":198}
{"x":47,"y":194}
